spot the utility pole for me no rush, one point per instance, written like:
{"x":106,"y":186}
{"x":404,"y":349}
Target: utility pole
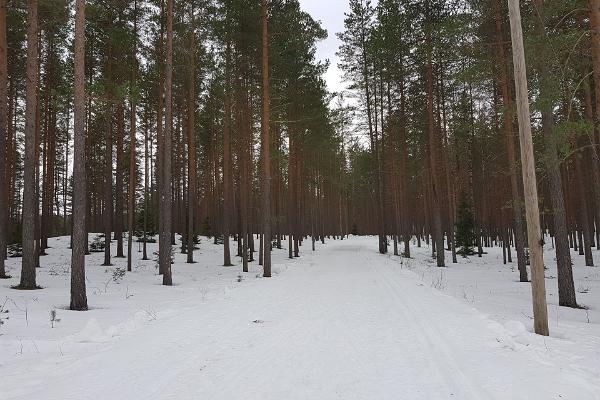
{"x":536,"y":250}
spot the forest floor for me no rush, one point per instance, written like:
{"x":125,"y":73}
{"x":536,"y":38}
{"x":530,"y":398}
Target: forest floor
{"x":342,"y":322}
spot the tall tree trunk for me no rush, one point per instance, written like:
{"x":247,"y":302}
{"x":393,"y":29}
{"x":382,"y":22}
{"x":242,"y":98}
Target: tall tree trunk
{"x":147,"y":161}
{"x":536,"y":242}
{"x":191,"y":134}
{"x":434,"y":158}
{"x":30,"y":199}
{"x":404,"y":179}
{"x":566,"y":287}
{"x":266,"y":145}
{"x":227,"y":172}
{"x":108,"y":195}
{"x":165,"y":196}
{"x":4,"y":189}
{"x":586,"y":214}
{"x":132,"y":148}
{"x":79,"y":245}
{"x":160,"y":136}
{"x":119,"y":192}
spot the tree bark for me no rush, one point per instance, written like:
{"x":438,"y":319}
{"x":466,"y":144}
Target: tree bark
{"x":266,"y":145}
{"x":191,"y":135}
{"x":3,"y":140}
{"x":434,"y":167}
{"x":227,"y":172}
{"x":147,"y":161}
{"x":165,"y":196}
{"x":119,"y":190}
{"x":79,"y":245}
{"x":108,"y":195}
{"x":566,"y":287}
{"x":30,"y":199}
{"x":132,"y":148}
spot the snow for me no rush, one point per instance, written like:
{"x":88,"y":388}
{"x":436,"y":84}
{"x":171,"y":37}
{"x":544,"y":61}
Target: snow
{"x":342,"y":322}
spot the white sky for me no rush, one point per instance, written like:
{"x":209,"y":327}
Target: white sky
{"x":331,"y":15}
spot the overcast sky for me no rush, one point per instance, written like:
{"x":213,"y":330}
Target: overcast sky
{"x":331,"y":15}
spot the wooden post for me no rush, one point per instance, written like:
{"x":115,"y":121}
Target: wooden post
{"x":536,"y":254}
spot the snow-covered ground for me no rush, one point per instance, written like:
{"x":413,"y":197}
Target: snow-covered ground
{"x":342,"y":322}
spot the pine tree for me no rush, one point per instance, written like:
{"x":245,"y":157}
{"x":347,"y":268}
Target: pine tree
{"x":80,"y":237}
{"x":3,"y":139}
{"x":465,"y":229}
{"x":30,"y":199}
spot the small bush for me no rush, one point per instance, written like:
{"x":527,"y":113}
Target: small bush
{"x":118,"y":274}
{"x":149,"y":236}
{"x":97,"y":244}
{"x":53,"y":318}
{"x":14,"y":250}
{"x":182,"y":238}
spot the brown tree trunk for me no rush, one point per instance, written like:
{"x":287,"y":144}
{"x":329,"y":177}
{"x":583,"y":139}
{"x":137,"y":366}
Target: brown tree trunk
{"x":191,"y":134}
{"x":132,"y":148}
{"x":434,"y":168}
{"x":79,"y":245}
{"x":566,"y":287}
{"x":30,"y":200}
{"x":227,"y":172}
{"x":119,"y":193}
{"x":108,"y":195}
{"x":4,"y":189}
{"x":147,"y":161}
{"x":160,"y":153}
{"x":266,"y":145}
{"x":165,"y":195}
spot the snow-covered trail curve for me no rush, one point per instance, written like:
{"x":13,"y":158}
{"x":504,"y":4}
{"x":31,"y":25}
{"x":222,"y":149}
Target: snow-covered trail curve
{"x":340,"y":323}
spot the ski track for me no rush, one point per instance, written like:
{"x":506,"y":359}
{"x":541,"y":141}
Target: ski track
{"x":359,"y":329}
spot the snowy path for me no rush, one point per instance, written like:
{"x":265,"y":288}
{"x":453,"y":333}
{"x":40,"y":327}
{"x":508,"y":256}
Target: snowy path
{"x":340,"y":323}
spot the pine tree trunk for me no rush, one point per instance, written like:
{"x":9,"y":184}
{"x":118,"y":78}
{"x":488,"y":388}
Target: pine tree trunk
{"x":566,"y":287}
{"x":119,"y":192}
{"x":30,"y":199}
{"x":4,"y":189}
{"x":132,"y":149}
{"x":165,"y":195}
{"x":79,"y":246}
{"x":583,"y":214}
{"x":108,"y":195}
{"x":191,"y":134}
{"x":160,"y":154}
{"x":434,"y":168}
{"x":147,"y":161}
{"x":227,"y":172}
{"x":266,"y":145}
